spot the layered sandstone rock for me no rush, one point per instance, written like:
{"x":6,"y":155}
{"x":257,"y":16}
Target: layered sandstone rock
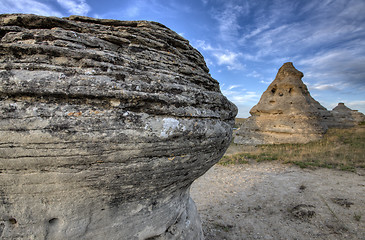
{"x":104,"y":126}
{"x":286,"y":113}
{"x":346,"y":117}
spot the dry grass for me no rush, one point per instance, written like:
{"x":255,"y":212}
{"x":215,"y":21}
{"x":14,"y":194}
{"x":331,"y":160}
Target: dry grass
{"x":342,"y":149}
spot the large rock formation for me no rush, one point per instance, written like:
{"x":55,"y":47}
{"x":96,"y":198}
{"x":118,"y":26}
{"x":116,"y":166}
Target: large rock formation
{"x":286,"y":113}
{"x":346,"y":117}
{"x":104,"y":126}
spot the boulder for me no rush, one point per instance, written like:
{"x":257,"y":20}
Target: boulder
{"x":104,"y":126}
{"x":286,"y":113}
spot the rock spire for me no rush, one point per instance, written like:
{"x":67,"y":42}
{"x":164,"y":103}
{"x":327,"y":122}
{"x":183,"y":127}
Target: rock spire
{"x":286,"y":113}
{"x":346,"y":117}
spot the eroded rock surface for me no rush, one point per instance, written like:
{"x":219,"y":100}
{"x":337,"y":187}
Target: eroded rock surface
{"x":346,"y":117}
{"x":286,"y":113}
{"x":104,"y":126}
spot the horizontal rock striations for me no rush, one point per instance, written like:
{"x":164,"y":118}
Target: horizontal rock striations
{"x":104,"y":126}
{"x":286,"y":113}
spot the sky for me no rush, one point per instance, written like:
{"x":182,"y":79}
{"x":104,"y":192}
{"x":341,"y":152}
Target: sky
{"x":244,"y":42}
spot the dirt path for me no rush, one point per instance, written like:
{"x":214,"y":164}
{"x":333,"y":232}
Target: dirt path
{"x":276,"y":201}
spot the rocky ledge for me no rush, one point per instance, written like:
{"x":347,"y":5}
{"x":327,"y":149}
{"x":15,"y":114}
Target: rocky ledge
{"x":104,"y":126}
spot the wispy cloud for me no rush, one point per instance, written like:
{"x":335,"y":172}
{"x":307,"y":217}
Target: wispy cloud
{"x":246,"y":97}
{"x":265,"y":82}
{"x":201,"y":44}
{"x":228,"y":19}
{"x":242,"y":98}
{"x":77,"y":7}
{"x":341,"y":67}
{"x":324,"y":39}
{"x":230,"y":59}
{"x":27,"y":6}
{"x":318,"y":86}
{"x":254,"y":74}
{"x":233,"y":86}
{"x":294,"y":29}
{"x":223,"y":57}
{"x":356,"y":105}
{"x":239,"y":95}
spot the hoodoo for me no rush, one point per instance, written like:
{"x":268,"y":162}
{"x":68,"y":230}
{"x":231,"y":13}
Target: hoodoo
{"x":286,"y":113}
{"x":346,"y":117}
{"x":104,"y":126}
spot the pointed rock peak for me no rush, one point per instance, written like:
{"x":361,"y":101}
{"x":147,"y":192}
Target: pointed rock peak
{"x":288,"y":72}
{"x":287,"y":94}
{"x":341,"y":107}
{"x":286,"y":113}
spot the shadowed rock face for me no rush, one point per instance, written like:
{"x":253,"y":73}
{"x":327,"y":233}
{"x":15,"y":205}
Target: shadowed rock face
{"x":104,"y":126}
{"x":286,"y":113}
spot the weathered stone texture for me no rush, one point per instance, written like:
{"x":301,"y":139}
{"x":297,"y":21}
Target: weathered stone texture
{"x":286,"y":113}
{"x":104,"y":125}
{"x":346,"y":117}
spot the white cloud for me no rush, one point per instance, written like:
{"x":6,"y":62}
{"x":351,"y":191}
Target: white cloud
{"x":265,"y":82}
{"x":233,"y":86}
{"x":324,"y":39}
{"x":333,"y":87}
{"x":356,"y":105}
{"x":27,"y":6}
{"x":239,"y":95}
{"x":77,"y":7}
{"x":280,"y":34}
{"x":226,"y":58}
{"x":242,"y":99}
{"x":230,"y":59}
{"x":223,"y":56}
{"x":338,"y":68}
{"x":254,"y":74}
{"x":245,"y":98}
{"x":253,"y":33}
{"x":204,"y":46}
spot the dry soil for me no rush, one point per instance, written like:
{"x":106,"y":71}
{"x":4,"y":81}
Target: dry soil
{"x":275,"y":201}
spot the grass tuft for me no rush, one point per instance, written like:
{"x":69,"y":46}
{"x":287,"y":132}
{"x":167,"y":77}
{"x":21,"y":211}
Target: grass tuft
{"x":357,"y":217}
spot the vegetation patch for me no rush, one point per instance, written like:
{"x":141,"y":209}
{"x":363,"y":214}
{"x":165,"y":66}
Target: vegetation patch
{"x":342,"y":149}
{"x":224,"y":227}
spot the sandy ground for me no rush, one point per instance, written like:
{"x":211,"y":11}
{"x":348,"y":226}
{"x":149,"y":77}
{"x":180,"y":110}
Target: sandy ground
{"x":277,"y":201}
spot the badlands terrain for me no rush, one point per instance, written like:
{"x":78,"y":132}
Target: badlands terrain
{"x":105,"y":124}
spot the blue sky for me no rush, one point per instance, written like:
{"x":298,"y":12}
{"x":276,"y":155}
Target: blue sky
{"x":244,"y":42}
